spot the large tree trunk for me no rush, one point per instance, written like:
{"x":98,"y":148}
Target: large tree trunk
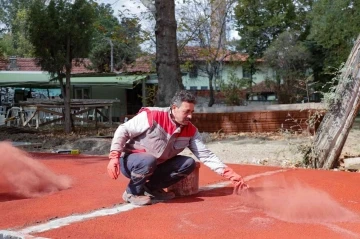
{"x":211,"y":91}
{"x":167,"y":60}
{"x":67,"y":99}
{"x":67,"y":122}
{"x":334,"y":128}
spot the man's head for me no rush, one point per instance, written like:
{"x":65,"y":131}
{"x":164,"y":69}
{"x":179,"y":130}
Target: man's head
{"x":182,"y":106}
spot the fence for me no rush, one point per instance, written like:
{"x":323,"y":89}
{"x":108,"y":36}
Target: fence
{"x":263,"y":121}
{"x":265,"y":118}
{"x":271,"y":118}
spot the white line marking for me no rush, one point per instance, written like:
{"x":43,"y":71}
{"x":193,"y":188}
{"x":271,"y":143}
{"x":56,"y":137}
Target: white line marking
{"x":65,"y":221}
{"x":4,"y":234}
{"x":251,"y":177}
{"x":213,"y":186}
{"x":340,"y":230}
{"x":247,"y":178}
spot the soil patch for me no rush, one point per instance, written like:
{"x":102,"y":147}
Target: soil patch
{"x":273,"y":149}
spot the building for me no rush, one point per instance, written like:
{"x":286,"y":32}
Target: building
{"x":18,"y":74}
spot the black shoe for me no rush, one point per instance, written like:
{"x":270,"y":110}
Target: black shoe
{"x":159,"y":194}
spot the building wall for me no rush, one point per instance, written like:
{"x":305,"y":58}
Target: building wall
{"x":259,"y":121}
{"x":202,"y":81}
{"x":109,"y":93}
{"x":266,"y":118}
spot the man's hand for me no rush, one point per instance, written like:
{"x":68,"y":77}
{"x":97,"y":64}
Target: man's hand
{"x":236,"y":179}
{"x":113,"y":167}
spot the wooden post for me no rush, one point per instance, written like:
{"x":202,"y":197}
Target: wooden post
{"x":188,"y":185}
{"x":96,"y":109}
{"x":334,"y":128}
{"x":110,"y":114}
{"x":144,"y":92}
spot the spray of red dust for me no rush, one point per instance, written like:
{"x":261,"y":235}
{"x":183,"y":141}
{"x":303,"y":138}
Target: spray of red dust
{"x":292,"y":201}
{"x":23,"y":176}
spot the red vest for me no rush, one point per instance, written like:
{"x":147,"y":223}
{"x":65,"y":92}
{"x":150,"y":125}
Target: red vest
{"x":164,"y":139}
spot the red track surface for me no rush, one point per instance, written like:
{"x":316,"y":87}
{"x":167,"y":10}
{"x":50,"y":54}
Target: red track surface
{"x":295,"y":203}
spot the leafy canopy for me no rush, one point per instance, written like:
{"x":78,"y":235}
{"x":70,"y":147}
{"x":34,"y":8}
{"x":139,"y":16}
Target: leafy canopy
{"x":289,"y":58}
{"x":123,"y":34}
{"x":60,"y":31}
{"x":334,"y":27}
{"x":13,"y":36}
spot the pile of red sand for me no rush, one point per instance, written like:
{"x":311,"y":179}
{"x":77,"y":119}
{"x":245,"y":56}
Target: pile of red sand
{"x":23,"y":176}
{"x":296,"y":202}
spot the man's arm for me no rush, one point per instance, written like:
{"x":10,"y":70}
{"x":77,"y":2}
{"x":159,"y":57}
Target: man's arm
{"x":128,"y":130}
{"x":199,"y":149}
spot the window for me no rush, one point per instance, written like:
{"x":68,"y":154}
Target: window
{"x":263,"y":96}
{"x":82,"y":93}
{"x":271,"y":97}
{"x":193,"y":87}
{"x":246,"y":73}
{"x":204,"y":88}
{"x":193,"y":72}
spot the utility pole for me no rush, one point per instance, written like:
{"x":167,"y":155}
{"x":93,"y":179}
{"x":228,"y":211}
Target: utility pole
{"x":111,"y":56}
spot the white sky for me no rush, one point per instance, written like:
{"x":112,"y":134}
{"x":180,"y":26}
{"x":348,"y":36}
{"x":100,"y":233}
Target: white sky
{"x":131,"y":8}
{"x":137,"y":8}
{"x":134,"y":6}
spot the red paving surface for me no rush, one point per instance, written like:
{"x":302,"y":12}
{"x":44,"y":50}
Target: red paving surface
{"x":295,"y":203}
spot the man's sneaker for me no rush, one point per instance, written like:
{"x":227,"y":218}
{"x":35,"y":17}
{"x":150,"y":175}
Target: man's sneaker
{"x":136,"y":199}
{"x":159,"y":194}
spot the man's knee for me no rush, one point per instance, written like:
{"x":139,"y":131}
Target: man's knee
{"x":140,"y":166}
{"x":190,"y":164}
{"x":187,"y":167}
{"x":146,"y":165}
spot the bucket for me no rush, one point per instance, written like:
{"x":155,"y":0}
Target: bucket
{"x":2,"y":119}
{"x":187,"y":186}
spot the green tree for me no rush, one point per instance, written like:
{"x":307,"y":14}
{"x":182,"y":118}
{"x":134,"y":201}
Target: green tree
{"x":167,"y":58}
{"x":22,"y":46}
{"x":13,"y":15}
{"x":114,"y":39}
{"x":289,"y":58}
{"x":232,"y":89}
{"x":334,"y":28}
{"x":6,"y":45}
{"x":8,"y":11}
{"x":61,"y":32}
{"x":203,"y":22}
{"x":260,"y":22}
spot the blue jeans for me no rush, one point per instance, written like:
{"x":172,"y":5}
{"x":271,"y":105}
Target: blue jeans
{"x":142,"y":168}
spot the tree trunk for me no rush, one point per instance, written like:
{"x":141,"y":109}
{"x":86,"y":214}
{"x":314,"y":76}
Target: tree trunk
{"x":334,"y":128}
{"x":167,"y":60}
{"x":211,"y":91}
{"x":67,"y":122}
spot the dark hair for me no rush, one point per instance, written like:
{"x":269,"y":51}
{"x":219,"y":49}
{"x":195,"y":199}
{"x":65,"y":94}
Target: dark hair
{"x":183,"y":96}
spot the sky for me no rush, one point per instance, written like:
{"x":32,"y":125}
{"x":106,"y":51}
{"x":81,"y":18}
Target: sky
{"x":130,"y":8}
{"x":134,"y":6}
{"x":137,"y":8}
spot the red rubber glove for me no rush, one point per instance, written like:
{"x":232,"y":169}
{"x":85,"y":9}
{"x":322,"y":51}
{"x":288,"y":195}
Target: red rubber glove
{"x":236,"y":179}
{"x":113,"y":167}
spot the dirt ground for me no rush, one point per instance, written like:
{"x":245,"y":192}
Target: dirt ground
{"x":273,"y":149}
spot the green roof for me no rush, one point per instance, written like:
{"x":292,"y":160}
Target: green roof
{"x":43,"y":80}
{"x":25,"y":78}
{"x":126,"y":81}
